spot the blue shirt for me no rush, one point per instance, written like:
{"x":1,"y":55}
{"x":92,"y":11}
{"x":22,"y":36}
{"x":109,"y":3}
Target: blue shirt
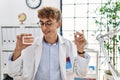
{"x":49,"y":66}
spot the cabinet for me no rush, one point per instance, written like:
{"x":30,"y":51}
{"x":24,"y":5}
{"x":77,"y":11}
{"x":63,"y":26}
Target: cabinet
{"x":8,"y":41}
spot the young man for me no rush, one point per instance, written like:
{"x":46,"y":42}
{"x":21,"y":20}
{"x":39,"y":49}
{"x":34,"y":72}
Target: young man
{"x":51,"y":57}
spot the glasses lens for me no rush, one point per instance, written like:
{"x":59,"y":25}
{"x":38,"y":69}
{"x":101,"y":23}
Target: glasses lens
{"x":47,"y":24}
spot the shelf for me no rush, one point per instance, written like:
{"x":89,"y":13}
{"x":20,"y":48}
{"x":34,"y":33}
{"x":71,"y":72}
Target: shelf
{"x":8,"y":37}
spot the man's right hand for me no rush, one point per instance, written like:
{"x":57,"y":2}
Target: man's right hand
{"x":19,"y":46}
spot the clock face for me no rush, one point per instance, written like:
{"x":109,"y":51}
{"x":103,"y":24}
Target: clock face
{"x":33,"y":4}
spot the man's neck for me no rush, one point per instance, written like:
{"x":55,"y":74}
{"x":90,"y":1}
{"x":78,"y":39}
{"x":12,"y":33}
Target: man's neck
{"x":51,"y":40}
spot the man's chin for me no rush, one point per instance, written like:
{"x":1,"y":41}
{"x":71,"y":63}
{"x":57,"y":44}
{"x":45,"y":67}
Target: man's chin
{"x":47,"y":35}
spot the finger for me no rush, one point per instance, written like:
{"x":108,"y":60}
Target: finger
{"x":24,"y":34}
{"x":75,"y":35}
{"x":79,"y":35}
{"x":30,"y":34}
{"x":27,"y":34}
{"x":81,"y":39}
{"x":18,"y":37}
{"x":80,"y":32}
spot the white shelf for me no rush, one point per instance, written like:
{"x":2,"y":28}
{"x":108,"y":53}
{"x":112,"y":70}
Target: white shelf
{"x":8,"y":35}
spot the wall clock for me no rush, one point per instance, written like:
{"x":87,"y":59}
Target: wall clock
{"x":33,"y":4}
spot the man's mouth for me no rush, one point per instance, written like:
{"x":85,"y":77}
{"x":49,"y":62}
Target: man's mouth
{"x":46,"y":32}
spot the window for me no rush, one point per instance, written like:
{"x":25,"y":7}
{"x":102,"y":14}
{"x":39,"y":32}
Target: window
{"x":80,"y":15}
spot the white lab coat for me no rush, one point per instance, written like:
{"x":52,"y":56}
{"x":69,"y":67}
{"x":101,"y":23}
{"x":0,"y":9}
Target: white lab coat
{"x":25,"y":67}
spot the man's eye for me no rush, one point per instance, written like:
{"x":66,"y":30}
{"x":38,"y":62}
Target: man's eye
{"x":49,"y":23}
{"x":42,"y":23}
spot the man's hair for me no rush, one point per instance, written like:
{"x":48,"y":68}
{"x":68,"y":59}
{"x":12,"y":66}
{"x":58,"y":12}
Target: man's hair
{"x":49,"y":13}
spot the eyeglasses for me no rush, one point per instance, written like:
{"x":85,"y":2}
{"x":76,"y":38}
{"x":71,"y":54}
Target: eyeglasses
{"x":46,"y":24}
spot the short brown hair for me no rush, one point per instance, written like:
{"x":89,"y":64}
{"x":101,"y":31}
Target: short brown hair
{"x":49,"y":12}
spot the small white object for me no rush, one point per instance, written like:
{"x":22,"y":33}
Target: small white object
{"x":77,"y":36}
{"x":23,"y":39}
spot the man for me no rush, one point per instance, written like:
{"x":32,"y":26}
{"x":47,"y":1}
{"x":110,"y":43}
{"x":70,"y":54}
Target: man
{"x":51,"y":57}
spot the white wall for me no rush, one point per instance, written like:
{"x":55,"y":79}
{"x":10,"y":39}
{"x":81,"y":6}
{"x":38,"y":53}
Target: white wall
{"x":10,"y":9}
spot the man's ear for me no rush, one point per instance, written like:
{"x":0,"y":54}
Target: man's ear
{"x":59,"y":24}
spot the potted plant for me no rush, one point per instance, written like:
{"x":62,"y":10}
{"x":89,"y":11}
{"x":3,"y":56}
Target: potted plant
{"x":108,"y":18}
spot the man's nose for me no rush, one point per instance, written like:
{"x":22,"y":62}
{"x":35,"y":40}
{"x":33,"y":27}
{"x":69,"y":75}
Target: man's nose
{"x":44,"y":26}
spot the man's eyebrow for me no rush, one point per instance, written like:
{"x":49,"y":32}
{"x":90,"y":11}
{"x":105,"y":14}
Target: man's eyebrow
{"x":46,"y":21}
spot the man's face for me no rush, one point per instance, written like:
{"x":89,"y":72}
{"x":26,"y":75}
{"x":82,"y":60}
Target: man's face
{"x":49,"y":27}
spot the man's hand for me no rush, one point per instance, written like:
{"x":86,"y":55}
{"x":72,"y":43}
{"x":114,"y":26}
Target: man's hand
{"x":80,"y":41}
{"x":19,"y":46}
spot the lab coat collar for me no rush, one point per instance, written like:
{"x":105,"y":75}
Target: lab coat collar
{"x":38,"y":51}
{"x":62,"y":57}
{"x":38,"y":41}
{"x":61,"y":39}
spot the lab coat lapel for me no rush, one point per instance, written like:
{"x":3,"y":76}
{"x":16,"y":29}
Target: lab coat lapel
{"x":62,"y":57}
{"x":38,"y":52}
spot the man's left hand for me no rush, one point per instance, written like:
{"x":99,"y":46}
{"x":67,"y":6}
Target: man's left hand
{"x":80,"y":41}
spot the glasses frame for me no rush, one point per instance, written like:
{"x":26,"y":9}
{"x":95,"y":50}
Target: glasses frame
{"x":47,"y":24}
